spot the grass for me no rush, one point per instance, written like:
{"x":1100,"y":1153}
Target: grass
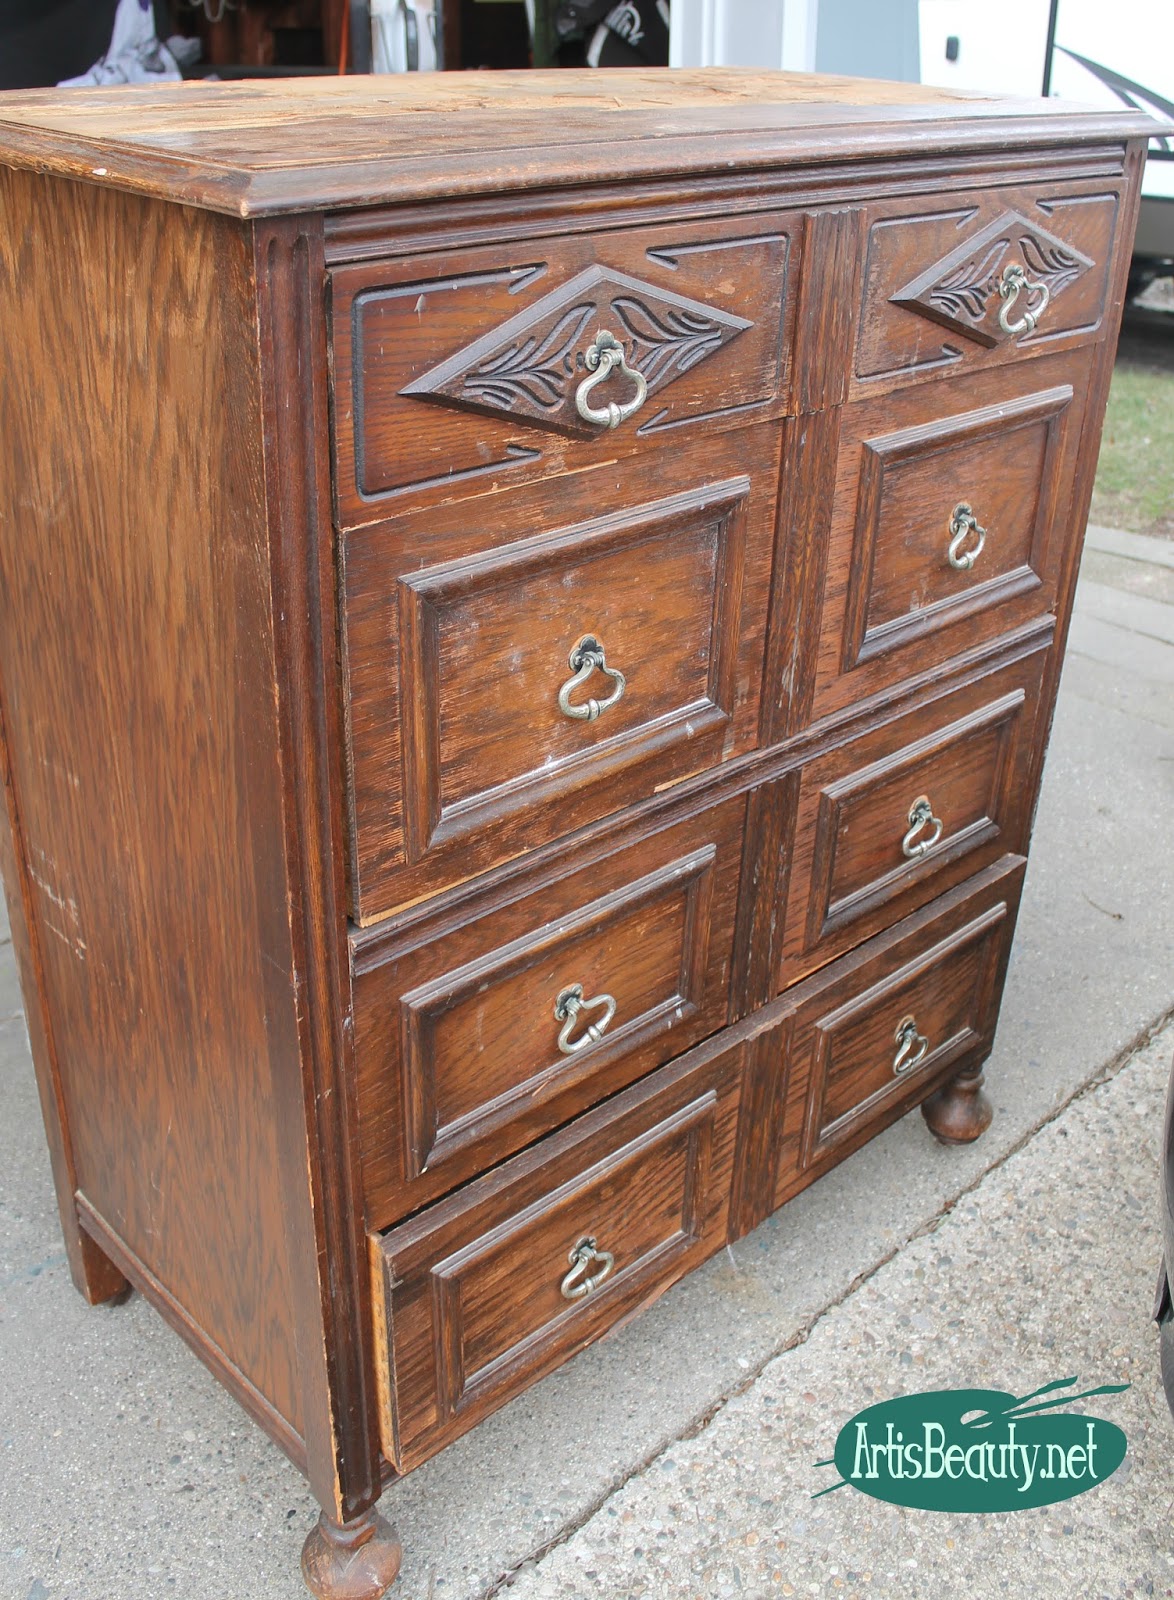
{"x":1135,"y":478}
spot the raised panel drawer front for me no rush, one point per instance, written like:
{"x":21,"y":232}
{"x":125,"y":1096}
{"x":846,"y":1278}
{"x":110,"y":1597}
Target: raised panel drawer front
{"x":521,"y":664}
{"x":950,"y":523}
{"x":481,"y":368}
{"x":499,"y":1284}
{"x":982,"y":277}
{"x":910,"y":808}
{"x":876,"y":1032}
{"x":483,"y":1027}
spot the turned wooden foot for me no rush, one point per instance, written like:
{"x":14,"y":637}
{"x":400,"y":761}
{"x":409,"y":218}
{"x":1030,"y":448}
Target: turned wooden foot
{"x":959,"y":1111}
{"x":351,"y":1560}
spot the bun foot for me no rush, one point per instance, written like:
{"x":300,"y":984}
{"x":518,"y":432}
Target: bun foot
{"x":959,"y":1112}
{"x":351,"y":1560}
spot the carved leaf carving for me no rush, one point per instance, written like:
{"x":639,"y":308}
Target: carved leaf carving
{"x":966,"y":290}
{"x":1051,"y":261}
{"x":962,"y":289}
{"x":530,"y":367}
{"x":676,"y":341}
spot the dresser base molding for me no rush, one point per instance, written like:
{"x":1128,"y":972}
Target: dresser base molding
{"x":356,"y":1560}
{"x":960,"y":1111}
{"x":135,"y":1274}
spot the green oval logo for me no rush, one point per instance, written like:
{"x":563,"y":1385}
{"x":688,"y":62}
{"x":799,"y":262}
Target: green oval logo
{"x":978,"y":1449}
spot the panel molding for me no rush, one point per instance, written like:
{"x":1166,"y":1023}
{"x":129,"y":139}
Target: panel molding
{"x":827,"y":915}
{"x":886,"y":453}
{"x":456,"y":1387}
{"x":427,"y":1141}
{"x":819,"y":1139}
{"x":424,"y":597}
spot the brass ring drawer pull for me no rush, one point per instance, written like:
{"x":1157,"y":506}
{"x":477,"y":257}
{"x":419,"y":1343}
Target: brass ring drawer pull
{"x":962,"y":524}
{"x":577,"y":1283}
{"x":605,"y":356}
{"x":1013,"y":281}
{"x":566,"y":1010}
{"x":912,"y":1047}
{"x":586,"y":658}
{"x":921,"y":816}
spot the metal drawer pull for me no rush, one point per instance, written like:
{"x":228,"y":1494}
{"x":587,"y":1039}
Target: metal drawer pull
{"x":603,"y":358}
{"x":584,"y":659}
{"x":1014,"y":280}
{"x":962,"y":524}
{"x":921,"y":816}
{"x":566,"y":1010}
{"x":912,"y":1047}
{"x":575,"y":1285}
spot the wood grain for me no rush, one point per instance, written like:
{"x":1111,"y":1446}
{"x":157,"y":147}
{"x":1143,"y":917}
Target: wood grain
{"x":968,"y":754}
{"x":1004,"y":442}
{"x":253,"y":149}
{"x":459,"y":623}
{"x":471,"y":1290}
{"x":960,"y":244}
{"x":834,"y":1036}
{"x":138,"y":673}
{"x":315,"y":1114}
{"x":419,"y":344}
{"x":289,"y":577}
{"x":455,"y":1033}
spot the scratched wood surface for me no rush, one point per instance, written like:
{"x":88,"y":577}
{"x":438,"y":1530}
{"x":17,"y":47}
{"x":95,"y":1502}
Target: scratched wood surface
{"x":252,"y":1102}
{"x":137,"y":673}
{"x":321,"y":143}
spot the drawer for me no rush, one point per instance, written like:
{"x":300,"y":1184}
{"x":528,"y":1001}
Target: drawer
{"x":494,"y":1287}
{"x":461,"y":371}
{"x":935,"y":267}
{"x":470,"y":1038}
{"x":876,"y":1032}
{"x":521,"y":664}
{"x":951,"y":521}
{"x":890,"y":819}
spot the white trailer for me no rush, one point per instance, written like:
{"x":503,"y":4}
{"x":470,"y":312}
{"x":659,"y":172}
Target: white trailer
{"x":1082,"y":50}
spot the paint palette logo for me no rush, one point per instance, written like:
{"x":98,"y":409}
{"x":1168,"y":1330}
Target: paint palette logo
{"x":978,"y":1450}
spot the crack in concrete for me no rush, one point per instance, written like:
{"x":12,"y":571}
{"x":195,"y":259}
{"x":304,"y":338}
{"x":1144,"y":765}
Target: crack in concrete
{"x":1099,"y":1076}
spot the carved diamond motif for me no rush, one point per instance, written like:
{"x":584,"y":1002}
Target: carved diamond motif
{"x":530,"y":366}
{"x":961,"y":291}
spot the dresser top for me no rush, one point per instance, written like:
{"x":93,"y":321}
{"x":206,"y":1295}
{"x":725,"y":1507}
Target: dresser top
{"x":264,"y":147}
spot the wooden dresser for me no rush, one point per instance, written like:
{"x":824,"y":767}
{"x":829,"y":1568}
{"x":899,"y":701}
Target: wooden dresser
{"x":530,"y":611}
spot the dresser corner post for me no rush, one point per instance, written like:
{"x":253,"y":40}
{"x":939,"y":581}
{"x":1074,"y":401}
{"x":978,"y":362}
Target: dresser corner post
{"x":960,"y":1111}
{"x":352,"y":1553}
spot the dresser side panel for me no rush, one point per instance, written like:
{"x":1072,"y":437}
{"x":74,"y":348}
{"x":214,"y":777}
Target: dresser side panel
{"x":137,"y":685}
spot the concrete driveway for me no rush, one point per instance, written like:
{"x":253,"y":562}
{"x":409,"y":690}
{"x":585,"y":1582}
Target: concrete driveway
{"x":677,"y":1457}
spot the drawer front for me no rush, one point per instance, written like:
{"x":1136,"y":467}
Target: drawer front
{"x":914,"y":806}
{"x":951,"y":521}
{"x":488,"y":1291}
{"x":519,"y":665}
{"x":473,"y":1029}
{"x":939,"y":276}
{"x":876,"y":1032}
{"x":462,"y":371}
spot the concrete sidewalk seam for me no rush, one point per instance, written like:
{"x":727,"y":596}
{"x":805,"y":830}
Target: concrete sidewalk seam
{"x":1102,"y":1075}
